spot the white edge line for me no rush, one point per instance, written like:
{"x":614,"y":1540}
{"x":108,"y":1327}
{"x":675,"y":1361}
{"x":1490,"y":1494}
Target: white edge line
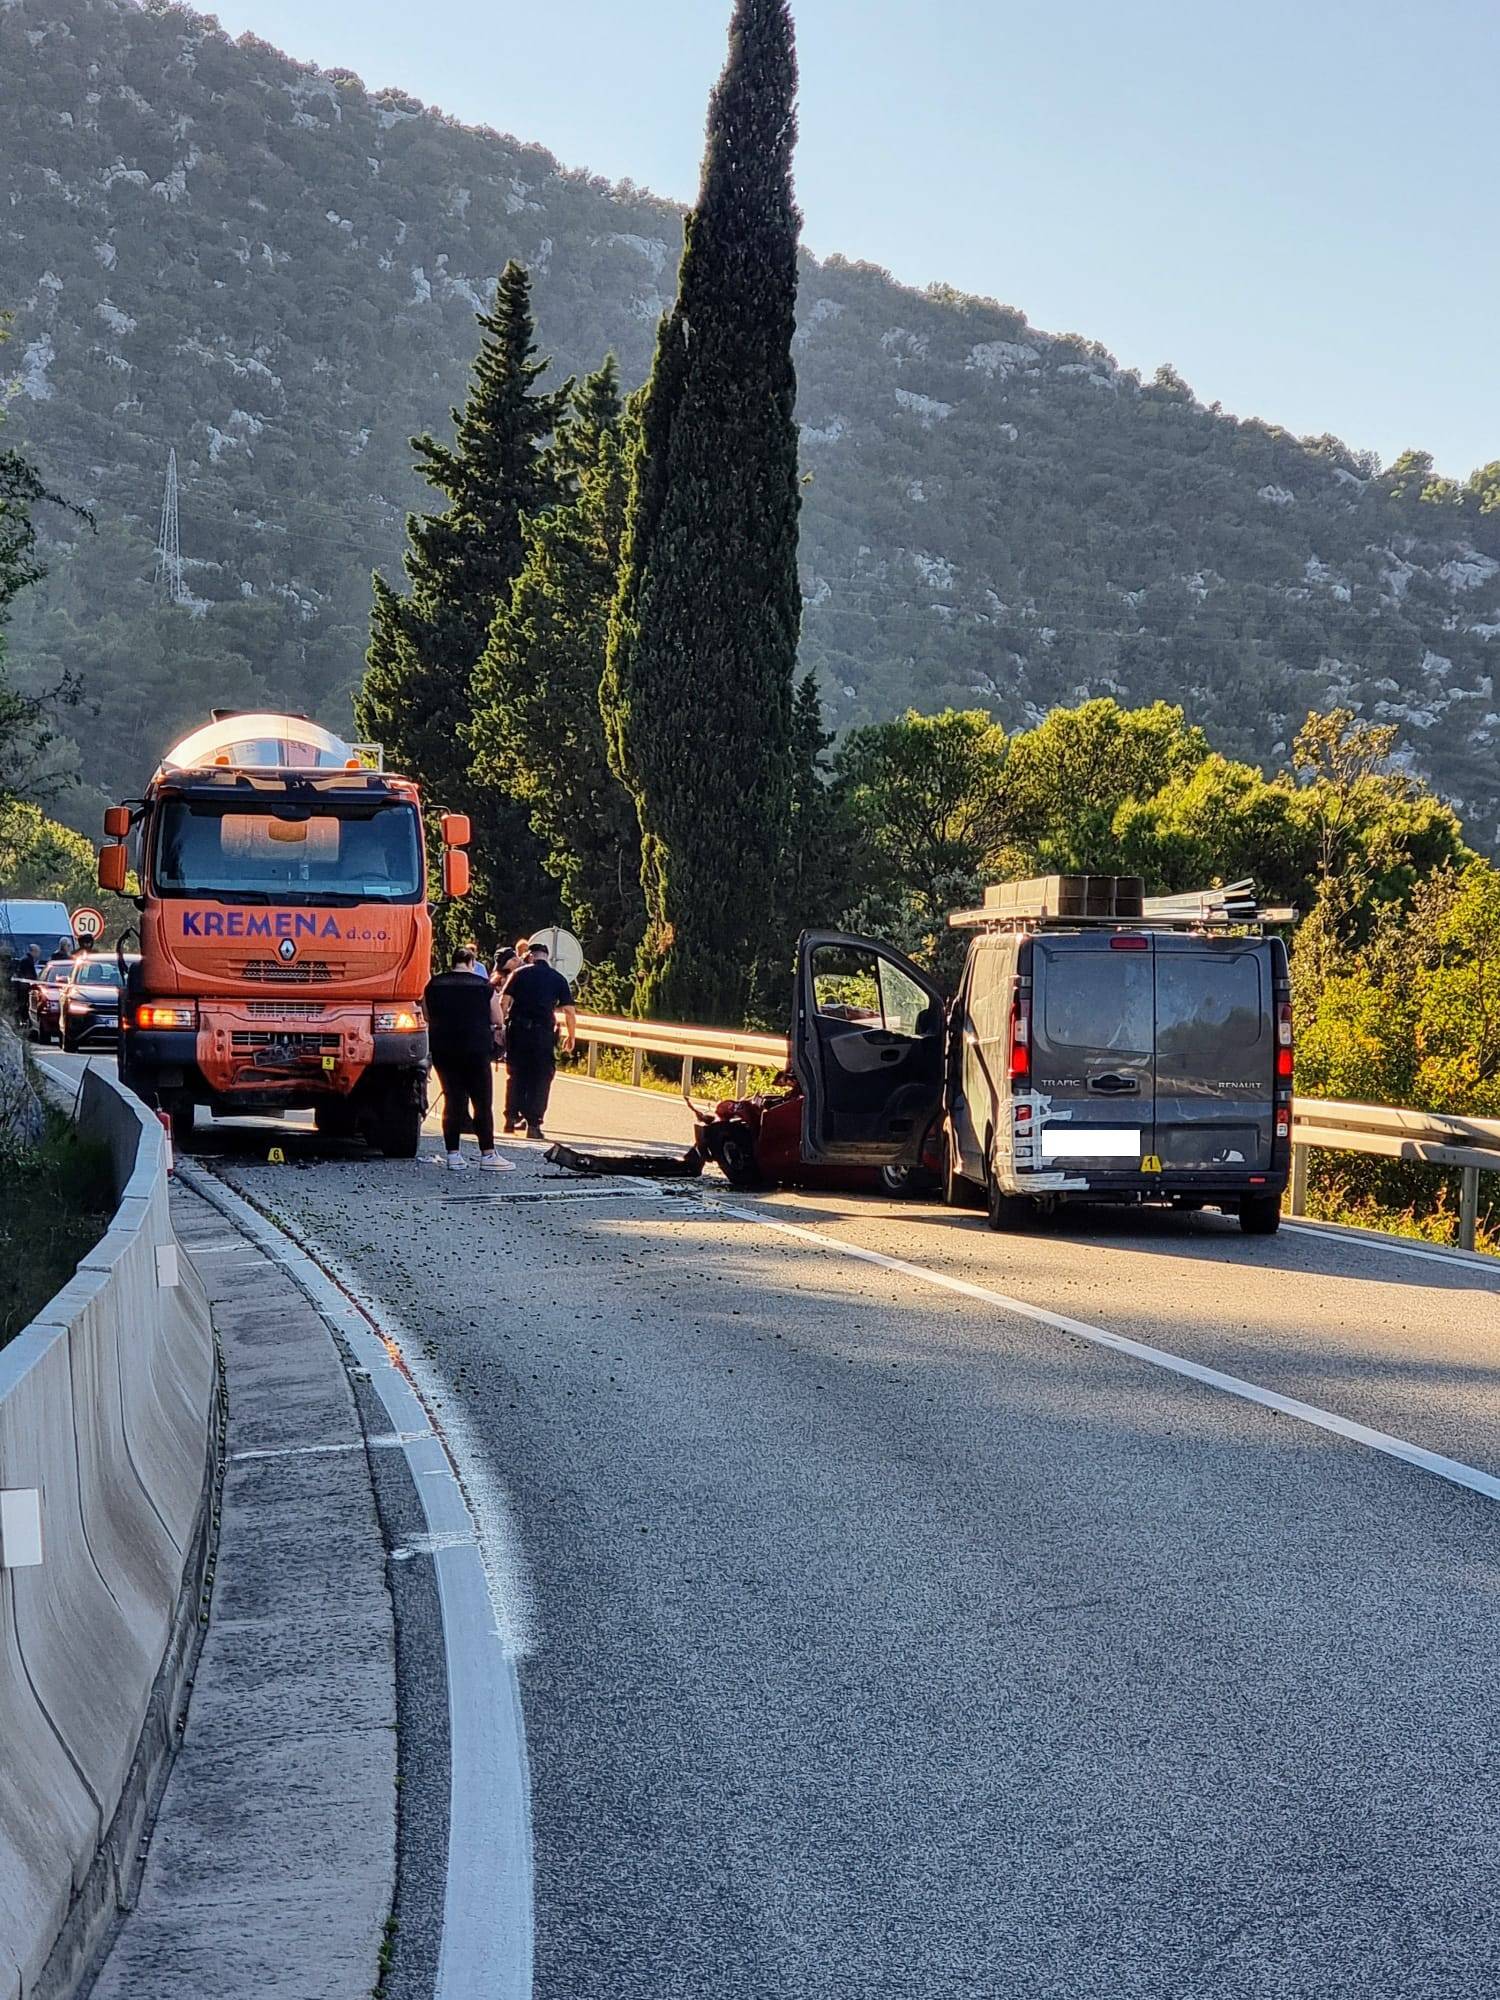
{"x":1397,"y":1246}
{"x":486,"y":1951}
{"x":1451,"y":1469}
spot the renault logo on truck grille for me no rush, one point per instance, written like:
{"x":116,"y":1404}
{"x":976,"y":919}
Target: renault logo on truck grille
{"x":287,"y":949}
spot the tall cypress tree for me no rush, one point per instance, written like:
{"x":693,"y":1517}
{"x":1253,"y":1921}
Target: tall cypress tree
{"x":416,"y":698}
{"x":703,"y":642}
{"x":537,"y":730}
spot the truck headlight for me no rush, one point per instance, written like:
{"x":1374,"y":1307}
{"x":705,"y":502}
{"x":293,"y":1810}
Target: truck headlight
{"x":163,"y":1014}
{"x":398,"y":1020}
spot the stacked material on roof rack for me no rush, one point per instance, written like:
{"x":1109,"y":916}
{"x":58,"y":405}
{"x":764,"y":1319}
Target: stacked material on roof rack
{"x":1235,"y":903}
{"x":1056,"y":898}
{"x":1112,"y":899}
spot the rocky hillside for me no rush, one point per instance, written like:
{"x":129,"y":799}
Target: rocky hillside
{"x":208,"y":246}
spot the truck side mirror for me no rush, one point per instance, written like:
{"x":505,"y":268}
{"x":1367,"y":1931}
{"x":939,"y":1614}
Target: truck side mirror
{"x":455,"y":872}
{"x":117,"y":821}
{"x":455,"y":830}
{"x":112,"y":869}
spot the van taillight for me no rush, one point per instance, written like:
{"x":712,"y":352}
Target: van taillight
{"x":1020,"y":1038}
{"x":1285,"y":1053}
{"x":1127,"y":941}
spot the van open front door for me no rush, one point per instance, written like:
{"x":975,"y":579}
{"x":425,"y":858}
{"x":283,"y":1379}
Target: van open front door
{"x":867,"y":1050}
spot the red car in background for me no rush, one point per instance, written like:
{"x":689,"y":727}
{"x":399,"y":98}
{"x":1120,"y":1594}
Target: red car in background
{"x":44,"y":1005}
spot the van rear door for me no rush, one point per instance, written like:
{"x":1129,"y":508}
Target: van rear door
{"x":868,"y":1049}
{"x":1092,"y":1033}
{"x":1215,"y":1055}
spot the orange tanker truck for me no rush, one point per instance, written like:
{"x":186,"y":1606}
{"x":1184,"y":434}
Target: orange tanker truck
{"x":285,"y":940}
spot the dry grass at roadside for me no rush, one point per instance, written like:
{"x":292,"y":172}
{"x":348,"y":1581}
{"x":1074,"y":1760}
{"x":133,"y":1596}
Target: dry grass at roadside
{"x":1432,"y":1217}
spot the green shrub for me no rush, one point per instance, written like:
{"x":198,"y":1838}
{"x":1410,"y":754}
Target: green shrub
{"x":56,"y":1200}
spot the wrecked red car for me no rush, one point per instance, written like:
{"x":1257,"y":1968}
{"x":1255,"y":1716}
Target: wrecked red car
{"x":862,"y":1104}
{"x":861,"y":1107}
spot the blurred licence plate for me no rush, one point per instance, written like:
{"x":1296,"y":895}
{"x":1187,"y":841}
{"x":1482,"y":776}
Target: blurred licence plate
{"x":1110,"y":1142}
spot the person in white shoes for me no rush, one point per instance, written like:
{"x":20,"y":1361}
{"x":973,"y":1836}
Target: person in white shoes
{"x":463,"y":1014}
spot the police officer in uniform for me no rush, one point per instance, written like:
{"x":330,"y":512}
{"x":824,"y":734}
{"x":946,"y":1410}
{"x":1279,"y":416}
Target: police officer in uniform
{"x":532,"y":998}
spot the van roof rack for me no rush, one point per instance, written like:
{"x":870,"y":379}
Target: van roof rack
{"x":1071,"y":902}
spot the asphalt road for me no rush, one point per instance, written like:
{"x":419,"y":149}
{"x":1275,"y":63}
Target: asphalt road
{"x":881,"y":1640}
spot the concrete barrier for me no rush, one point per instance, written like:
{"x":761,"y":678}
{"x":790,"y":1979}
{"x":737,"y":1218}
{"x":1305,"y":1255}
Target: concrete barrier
{"x":108,"y":1403}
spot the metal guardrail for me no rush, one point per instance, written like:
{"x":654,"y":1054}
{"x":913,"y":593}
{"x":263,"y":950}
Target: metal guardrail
{"x":1430,"y":1138}
{"x":723,"y":1047}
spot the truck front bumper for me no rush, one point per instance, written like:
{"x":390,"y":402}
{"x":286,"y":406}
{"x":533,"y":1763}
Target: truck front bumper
{"x":232,"y":1062}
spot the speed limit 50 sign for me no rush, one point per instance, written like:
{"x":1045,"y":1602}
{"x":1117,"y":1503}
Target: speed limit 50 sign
{"x":88,"y":924}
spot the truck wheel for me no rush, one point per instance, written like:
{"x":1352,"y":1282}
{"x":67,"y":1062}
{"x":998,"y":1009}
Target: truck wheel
{"x":1260,"y":1214}
{"x":334,"y":1119}
{"x":1008,"y":1211}
{"x":399,"y":1132}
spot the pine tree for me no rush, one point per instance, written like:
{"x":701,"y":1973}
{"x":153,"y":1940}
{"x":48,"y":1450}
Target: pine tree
{"x":416,"y":698}
{"x":538,"y":731}
{"x":703,"y":640}
{"x":817,"y":860}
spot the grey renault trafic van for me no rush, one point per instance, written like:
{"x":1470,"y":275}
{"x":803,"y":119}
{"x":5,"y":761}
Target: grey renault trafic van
{"x":1102,"y":1046}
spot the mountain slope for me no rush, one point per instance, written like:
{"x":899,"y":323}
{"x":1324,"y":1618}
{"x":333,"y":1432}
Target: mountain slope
{"x":209,"y":246}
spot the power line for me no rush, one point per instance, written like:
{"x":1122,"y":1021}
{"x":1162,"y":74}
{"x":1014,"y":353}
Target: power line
{"x":168,"y":549}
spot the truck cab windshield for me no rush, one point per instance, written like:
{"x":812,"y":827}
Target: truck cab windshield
{"x":269,"y":853}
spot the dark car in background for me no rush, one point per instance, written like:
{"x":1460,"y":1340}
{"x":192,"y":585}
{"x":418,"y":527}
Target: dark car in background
{"x":91,"y":1003}
{"x":44,"y":1005}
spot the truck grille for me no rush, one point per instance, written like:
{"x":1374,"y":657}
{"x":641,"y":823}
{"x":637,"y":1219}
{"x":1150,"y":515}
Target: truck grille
{"x":268,"y":1038}
{"x":284,"y":1010}
{"x":271,"y":972}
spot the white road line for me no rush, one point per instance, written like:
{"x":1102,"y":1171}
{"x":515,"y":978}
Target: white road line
{"x":1451,"y":1469}
{"x":487,"y":1942}
{"x":296,"y":1451}
{"x":1395,"y":1246}
{"x":395,"y":1441}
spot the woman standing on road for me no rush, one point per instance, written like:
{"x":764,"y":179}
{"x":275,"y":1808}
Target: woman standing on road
{"x":506,"y":962}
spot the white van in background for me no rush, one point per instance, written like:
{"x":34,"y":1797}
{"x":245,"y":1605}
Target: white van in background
{"x":46,"y":927}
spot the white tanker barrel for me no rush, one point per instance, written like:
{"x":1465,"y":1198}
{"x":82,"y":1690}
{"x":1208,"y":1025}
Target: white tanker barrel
{"x":263,"y":741}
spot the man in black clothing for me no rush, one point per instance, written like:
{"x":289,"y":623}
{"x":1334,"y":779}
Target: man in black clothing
{"x":531,"y":1000}
{"x":463,"y":1014}
{"x":24,"y":975}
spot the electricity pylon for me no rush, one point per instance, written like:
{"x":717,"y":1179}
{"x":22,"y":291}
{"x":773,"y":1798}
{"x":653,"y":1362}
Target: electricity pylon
{"x":168,"y":549}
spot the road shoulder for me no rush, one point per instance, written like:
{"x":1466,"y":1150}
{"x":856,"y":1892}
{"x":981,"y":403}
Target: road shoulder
{"x":272,"y":1859}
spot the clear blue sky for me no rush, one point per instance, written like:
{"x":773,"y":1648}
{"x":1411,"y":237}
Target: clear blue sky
{"x":1294,"y":201}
